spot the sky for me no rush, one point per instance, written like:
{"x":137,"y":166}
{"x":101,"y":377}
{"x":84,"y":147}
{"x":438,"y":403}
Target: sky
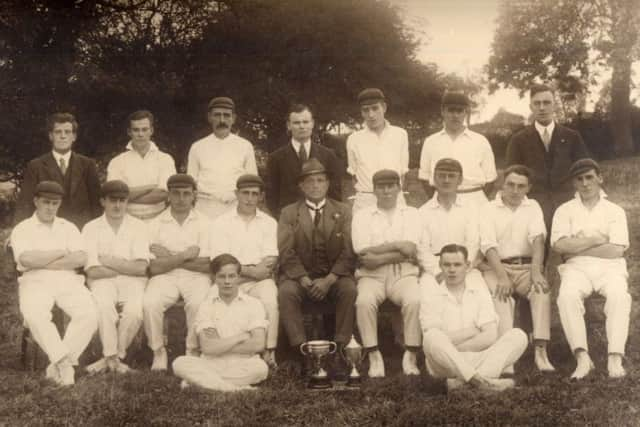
{"x":457,"y":35}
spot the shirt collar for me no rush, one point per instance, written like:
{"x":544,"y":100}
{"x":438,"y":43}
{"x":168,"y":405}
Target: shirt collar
{"x":540,"y":128}
{"x":603,"y":195}
{"x":240,"y":297}
{"x":464,"y":132}
{"x":315,"y":206}
{"x":499,"y":202}
{"x":152,"y":146}
{"x":386,"y":127}
{"x":259,"y":214}
{"x":56,"y":220}
{"x":167,"y":217}
{"x":296,"y":145}
{"x":433,"y":202}
{"x":105,"y":223}
{"x":470,"y":286}
{"x":398,"y":208}
{"x":59,"y":156}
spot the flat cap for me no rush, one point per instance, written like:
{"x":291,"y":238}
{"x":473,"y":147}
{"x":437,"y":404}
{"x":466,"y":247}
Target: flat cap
{"x":115,"y":188}
{"x":181,"y":180}
{"x":370,"y":96}
{"x":449,"y":165}
{"x":49,"y":189}
{"x":455,"y":97}
{"x":249,"y":180}
{"x":583,"y":165}
{"x":386,"y":176}
{"x":222,"y":102}
{"x":311,"y":167}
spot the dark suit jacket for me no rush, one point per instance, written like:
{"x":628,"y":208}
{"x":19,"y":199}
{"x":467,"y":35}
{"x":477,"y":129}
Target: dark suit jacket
{"x":294,"y":239}
{"x":81,"y":202}
{"x":551,"y":185}
{"x":284,"y":168}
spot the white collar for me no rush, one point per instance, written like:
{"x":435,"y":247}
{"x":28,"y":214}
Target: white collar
{"x":167,"y":217}
{"x":499,"y":202}
{"x":239,"y":297}
{"x":540,"y":128}
{"x":603,"y":195}
{"x":386,"y":126}
{"x":56,"y":220}
{"x":433,"y":202}
{"x":296,"y":145}
{"x":152,"y":147}
{"x":66,"y":156}
{"x":469,"y":285}
{"x":315,"y":206}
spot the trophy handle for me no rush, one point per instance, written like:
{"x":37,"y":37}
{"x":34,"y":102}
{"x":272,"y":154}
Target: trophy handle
{"x":335,"y":346}
{"x":302,"y":347}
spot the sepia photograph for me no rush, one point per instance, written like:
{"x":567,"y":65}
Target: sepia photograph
{"x":319,"y":212}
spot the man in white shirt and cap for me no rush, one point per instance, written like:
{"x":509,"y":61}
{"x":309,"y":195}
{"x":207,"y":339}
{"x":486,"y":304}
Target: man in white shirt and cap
{"x":218,"y":160}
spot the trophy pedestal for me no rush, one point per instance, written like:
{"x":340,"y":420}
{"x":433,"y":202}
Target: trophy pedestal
{"x":319,"y":383}
{"x":354,"y":382}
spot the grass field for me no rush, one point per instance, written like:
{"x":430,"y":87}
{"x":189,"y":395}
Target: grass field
{"x":149,"y":398}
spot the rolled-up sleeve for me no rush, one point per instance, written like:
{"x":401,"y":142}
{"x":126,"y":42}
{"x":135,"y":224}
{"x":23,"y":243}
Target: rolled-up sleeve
{"x":618,"y":230}
{"x":486,"y":311}
{"x":431,"y":306}
{"x":167,"y":168}
{"x":488,"y":238}
{"x":360,"y":229}
{"x":536,"y":226}
{"x":561,"y":225}
{"x":90,"y":242}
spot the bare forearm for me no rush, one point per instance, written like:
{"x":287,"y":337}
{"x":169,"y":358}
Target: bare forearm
{"x":608,"y":251}
{"x":255,"y":344}
{"x":537,"y":257}
{"x":575,"y":245}
{"x":383,"y":248}
{"x":493,"y":259}
{"x":140,"y":191}
{"x":154,"y":196}
{"x":219,"y":346}
{"x":70,"y":261}
{"x":100,"y":272}
{"x":129,"y":268}
{"x":40,"y":259}
{"x":165,"y":264}
{"x":199,"y":265}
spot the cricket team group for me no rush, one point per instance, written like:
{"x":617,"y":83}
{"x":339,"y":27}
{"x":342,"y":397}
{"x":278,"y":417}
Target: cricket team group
{"x":115,"y":256}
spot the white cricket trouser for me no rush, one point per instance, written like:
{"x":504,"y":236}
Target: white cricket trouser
{"x":212,"y":207}
{"x":117,"y":331}
{"x":444,"y":360}
{"x":218,"y":373}
{"x":38,"y":291}
{"x":267,"y":292}
{"x":580,"y":277}
{"x":520,"y":275}
{"x":162,"y":292}
{"x":398,"y":283}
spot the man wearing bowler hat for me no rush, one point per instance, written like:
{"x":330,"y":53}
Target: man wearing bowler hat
{"x":385,"y":238}
{"x":249,"y":234}
{"x":179,"y":265}
{"x":591,"y":234}
{"x":457,"y":141}
{"x":216,"y":161}
{"x":316,"y":259}
{"x":117,"y":247}
{"x":48,"y":250}
{"x":378,"y":145}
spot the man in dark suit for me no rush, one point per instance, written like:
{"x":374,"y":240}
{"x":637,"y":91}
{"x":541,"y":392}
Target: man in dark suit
{"x":76,"y":173}
{"x":549,"y":150}
{"x":285,"y":162}
{"x":316,"y":259}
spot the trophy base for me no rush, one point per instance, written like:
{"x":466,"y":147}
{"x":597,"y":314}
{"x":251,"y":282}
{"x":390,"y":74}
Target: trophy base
{"x":319,"y":384}
{"x":354,"y":382}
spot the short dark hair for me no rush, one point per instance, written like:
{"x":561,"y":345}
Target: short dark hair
{"x":519,"y":170}
{"x":140,"y":115}
{"x":298,"y":108}
{"x":55,"y":118}
{"x":452,"y":248}
{"x":537,"y":88}
{"x":221,"y":260}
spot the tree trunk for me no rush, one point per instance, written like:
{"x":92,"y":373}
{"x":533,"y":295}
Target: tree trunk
{"x":620,"y":103}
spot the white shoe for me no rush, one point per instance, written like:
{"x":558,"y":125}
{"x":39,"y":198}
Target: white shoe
{"x":52,"y":373}
{"x":97,"y":367}
{"x":376,"y":365}
{"x":509,"y":370}
{"x":454,"y":384}
{"x":159,"y":360}
{"x":584,"y":365}
{"x":542,"y":360}
{"x":614,"y":366}
{"x":184,"y":385}
{"x":499,"y":384}
{"x":67,"y":373}
{"x":123,"y":368}
{"x":409,"y":365}
{"x":269,"y":357}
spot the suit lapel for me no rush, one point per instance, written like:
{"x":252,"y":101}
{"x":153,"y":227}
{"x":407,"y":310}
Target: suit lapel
{"x":329,"y":212}
{"x":74,"y":171}
{"x":305,"y":219}
{"x":292,"y":158}
{"x":52,"y":167}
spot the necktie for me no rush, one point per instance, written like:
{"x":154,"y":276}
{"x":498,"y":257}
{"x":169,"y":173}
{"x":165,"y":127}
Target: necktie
{"x":63,"y":166}
{"x":546,"y":138}
{"x":317,"y":214}
{"x":302,"y":154}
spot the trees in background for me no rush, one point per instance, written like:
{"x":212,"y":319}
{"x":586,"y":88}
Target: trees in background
{"x":570,"y":42}
{"x":102,"y":59}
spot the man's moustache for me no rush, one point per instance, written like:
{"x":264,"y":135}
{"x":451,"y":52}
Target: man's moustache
{"x":222,"y":125}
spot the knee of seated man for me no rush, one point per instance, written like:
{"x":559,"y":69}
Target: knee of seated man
{"x":432,"y":338}
{"x":365,"y":300}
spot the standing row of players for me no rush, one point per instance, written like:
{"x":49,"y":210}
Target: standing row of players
{"x":378,"y":146}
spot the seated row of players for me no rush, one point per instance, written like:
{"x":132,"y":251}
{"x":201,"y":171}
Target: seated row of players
{"x":391,"y":242}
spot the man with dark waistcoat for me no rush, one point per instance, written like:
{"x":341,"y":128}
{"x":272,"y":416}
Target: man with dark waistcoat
{"x":316,"y":259}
